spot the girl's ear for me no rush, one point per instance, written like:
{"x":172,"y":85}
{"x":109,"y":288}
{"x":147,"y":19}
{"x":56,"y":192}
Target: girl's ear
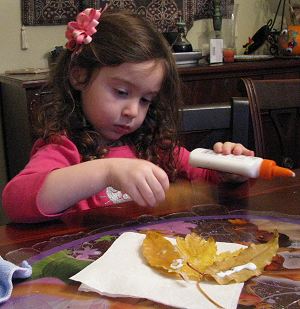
{"x":78,"y":77}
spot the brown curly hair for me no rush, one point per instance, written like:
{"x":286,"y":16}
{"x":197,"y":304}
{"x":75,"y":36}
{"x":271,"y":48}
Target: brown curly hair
{"x":121,"y":37}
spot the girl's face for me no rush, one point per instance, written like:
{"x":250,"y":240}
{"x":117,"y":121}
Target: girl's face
{"x":117,"y":99}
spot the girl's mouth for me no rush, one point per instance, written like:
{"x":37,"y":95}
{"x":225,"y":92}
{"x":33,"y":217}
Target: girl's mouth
{"x":122,"y":129}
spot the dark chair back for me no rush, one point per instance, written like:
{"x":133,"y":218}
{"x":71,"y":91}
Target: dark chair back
{"x":274,"y":107}
{"x":203,"y":125}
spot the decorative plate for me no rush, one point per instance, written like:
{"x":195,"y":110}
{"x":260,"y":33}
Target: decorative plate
{"x":188,"y":58}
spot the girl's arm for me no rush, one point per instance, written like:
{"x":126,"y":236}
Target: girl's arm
{"x":145,"y":183}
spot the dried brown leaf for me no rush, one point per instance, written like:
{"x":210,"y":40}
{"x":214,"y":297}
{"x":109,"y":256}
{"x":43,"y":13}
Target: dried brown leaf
{"x":260,"y":255}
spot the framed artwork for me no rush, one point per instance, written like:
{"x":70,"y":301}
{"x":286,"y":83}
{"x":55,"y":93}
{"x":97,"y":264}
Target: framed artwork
{"x":163,"y":14}
{"x":53,"y":12}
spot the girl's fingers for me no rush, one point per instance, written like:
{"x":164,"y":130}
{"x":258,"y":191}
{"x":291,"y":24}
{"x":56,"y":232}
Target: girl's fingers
{"x":136,"y":196}
{"x":161,"y":177}
{"x":218,"y":147}
{"x":238,"y":149}
{"x":228,"y":147}
{"x":148,"y":188}
{"x":157,"y":190}
{"x":149,"y":195}
{"x":234,"y":148}
{"x":154,"y":187}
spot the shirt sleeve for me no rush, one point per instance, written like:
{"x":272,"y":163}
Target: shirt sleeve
{"x":195,"y":173}
{"x":20,"y":194}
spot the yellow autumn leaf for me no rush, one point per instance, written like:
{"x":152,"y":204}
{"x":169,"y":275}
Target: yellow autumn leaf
{"x":243,"y":264}
{"x":194,"y":257}
{"x":227,"y":255}
{"x":162,"y":254}
{"x":159,"y":252}
{"x":196,"y":251}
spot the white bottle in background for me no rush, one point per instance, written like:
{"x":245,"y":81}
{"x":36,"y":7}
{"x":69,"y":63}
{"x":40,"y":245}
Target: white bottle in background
{"x":252,"y":167}
{"x":216,"y":51}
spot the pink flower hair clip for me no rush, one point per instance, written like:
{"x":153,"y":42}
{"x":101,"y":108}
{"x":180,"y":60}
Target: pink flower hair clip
{"x":80,"y":31}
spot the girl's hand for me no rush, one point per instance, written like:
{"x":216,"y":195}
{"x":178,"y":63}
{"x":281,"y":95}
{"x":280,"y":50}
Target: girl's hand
{"x":232,"y":148}
{"x":235,"y":149}
{"x":142,"y":180}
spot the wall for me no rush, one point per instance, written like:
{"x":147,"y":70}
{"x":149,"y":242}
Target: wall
{"x":251,"y":16}
{"x":42,"y":39}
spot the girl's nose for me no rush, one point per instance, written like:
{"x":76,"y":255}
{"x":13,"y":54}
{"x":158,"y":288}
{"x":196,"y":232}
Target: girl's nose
{"x":131,"y":109}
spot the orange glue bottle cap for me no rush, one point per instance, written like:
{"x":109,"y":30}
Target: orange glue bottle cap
{"x":269,"y":170}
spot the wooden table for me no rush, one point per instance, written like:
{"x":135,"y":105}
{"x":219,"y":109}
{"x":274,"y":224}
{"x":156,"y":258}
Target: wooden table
{"x":247,"y":213}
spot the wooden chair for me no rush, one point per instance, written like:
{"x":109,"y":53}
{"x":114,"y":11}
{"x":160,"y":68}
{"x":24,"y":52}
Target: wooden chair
{"x":204,"y":125}
{"x":274,"y":107}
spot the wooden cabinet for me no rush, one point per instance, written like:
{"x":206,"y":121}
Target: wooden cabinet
{"x":19,"y":94}
{"x":220,"y":82}
{"x":201,"y":85}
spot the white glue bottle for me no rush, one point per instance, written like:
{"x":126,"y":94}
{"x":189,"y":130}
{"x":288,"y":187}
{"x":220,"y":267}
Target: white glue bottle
{"x":252,"y":167}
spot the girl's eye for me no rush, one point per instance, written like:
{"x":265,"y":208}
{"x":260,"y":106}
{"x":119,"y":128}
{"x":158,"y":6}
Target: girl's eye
{"x":121,"y":92}
{"x":146,"y":101}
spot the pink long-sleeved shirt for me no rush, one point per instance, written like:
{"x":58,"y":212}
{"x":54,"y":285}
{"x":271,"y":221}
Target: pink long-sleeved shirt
{"x":20,"y":194}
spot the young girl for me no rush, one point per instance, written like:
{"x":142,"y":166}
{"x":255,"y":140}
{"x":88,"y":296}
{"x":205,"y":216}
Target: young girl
{"x":109,"y":133}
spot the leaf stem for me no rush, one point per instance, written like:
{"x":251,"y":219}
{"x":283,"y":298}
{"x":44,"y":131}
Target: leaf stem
{"x":208,"y":297}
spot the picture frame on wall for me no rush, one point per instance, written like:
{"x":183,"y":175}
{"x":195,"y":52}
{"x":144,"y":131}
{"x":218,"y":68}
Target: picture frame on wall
{"x":54,"y":12}
{"x":164,"y":14}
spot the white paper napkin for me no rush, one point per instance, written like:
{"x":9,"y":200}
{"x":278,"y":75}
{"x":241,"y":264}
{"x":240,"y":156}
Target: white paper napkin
{"x":123,"y":272}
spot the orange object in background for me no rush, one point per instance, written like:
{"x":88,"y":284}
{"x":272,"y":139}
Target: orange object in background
{"x":228,"y":54}
{"x":289,"y":40}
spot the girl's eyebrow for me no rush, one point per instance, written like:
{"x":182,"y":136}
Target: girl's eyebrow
{"x":131,"y":84}
{"x":123,"y":80}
